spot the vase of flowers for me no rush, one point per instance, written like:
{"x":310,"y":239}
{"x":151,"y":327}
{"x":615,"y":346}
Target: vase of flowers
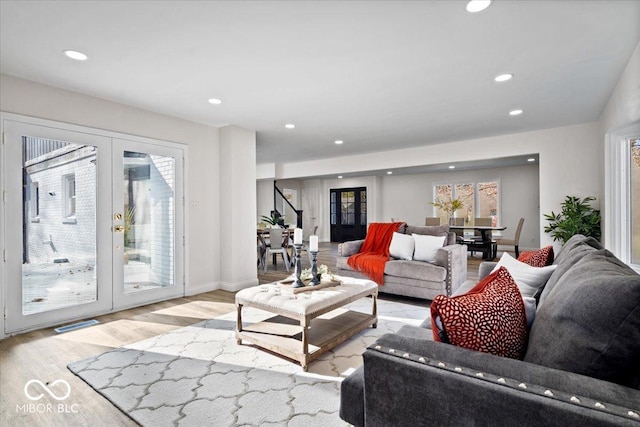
{"x":450,"y":206}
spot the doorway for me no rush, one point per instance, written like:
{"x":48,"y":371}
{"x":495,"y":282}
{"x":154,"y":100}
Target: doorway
{"x":93,"y":224}
{"x":348,"y":213}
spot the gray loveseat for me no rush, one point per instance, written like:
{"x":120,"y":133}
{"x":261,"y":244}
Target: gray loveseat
{"x":581,"y":368}
{"x":416,"y":278}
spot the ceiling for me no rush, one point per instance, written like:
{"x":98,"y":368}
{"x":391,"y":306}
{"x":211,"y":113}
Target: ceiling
{"x":379,"y":75}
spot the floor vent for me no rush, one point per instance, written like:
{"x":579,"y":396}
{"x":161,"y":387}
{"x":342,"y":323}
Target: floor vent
{"x":76,"y":326}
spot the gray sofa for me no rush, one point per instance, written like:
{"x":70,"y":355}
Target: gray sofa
{"x":416,"y":278}
{"x":581,"y":368}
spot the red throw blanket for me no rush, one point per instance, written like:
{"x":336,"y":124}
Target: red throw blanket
{"x":374,"y":253}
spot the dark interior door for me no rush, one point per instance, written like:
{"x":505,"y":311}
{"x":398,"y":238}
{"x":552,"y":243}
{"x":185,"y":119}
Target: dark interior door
{"x":348,"y":214}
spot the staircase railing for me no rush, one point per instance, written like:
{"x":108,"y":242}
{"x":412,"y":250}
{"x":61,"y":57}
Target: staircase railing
{"x":290,"y":214}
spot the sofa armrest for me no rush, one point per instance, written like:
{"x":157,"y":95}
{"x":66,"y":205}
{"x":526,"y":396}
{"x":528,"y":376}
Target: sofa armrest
{"x":454,"y":259}
{"x":349,"y":248}
{"x":485,"y":269}
{"x":409,"y":381}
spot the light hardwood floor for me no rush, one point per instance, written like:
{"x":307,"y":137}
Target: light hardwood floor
{"x":44,"y":354}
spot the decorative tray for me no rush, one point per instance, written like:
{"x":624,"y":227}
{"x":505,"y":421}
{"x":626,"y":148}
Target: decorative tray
{"x":286,"y":284}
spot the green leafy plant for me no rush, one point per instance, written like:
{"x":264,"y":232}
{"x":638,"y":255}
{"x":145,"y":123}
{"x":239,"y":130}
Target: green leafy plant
{"x":577,"y":217}
{"x":274,"y":219}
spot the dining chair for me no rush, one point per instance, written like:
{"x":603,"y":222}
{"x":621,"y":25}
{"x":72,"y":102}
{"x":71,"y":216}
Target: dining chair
{"x":459,"y":233}
{"x":432,"y":220}
{"x":278,"y":245}
{"x":477,"y":244}
{"x":512,"y":242}
{"x":261,"y":249}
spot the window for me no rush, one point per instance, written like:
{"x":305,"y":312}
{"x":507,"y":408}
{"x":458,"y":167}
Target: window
{"x":479,"y":200}
{"x":621,"y":221}
{"x":634,"y":168}
{"x":69,"y":195}
{"x":488,"y":201}
{"x":34,"y":201}
{"x":465,"y":192}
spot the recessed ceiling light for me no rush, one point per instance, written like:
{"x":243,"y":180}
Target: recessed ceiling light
{"x":531,"y":160}
{"x":74,"y":54}
{"x":452,"y":167}
{"x":215,"y":101}
{"x":478,"y":5}
{"x":503,"y":77}
{"x":339,"y":176}
{"x":515,"y":112}
{"x":389,"y":172}
{"x":339,"y":141}
{"x":290,"y":126}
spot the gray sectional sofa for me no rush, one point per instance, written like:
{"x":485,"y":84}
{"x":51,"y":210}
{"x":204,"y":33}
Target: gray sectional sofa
{"x":416,"y":278}
{"x":581,"y":368}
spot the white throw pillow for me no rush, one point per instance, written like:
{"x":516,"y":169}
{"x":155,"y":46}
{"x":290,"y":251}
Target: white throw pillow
{"x":402,"y":246}
{"x":427,"y":247}
{"x":529,"y":279}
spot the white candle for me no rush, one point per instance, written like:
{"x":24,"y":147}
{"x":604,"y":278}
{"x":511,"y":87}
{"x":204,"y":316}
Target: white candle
{"x":297,"y":236}
{"x":313,"y":243}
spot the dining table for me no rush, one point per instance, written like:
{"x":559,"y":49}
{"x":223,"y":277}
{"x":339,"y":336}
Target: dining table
{"x":485,"y":244}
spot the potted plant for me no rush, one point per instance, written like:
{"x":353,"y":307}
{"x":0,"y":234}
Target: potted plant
{"x":449,"y":206}
{"x":275,"y":218}
{"x":577,"y":217}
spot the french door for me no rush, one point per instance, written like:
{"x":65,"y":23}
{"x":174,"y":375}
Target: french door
{"x":92,"y":224}
{"x":348,"y":213}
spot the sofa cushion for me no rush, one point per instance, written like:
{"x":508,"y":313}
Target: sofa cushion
{"x":429,"y":230}
{"x":590,"y":321}
{"x":426,"y":247}
{"x":417,"y":270}
{"x":490,"y":318}
{"x":529,"y":279}
{"x":575,"y":249}
{"x":540,"y":258}
{"x":402,"y":246}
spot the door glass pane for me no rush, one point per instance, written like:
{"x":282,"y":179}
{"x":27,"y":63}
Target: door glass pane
{"x":488,"y":201}
{"x":635,"y":201}
{"x":363,"y":207}
{"x":348,"y":208}
{"x":59,"y":224}
{"x":148,"y":221}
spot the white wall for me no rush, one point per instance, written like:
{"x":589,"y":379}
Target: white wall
{"x":570,"y":162}
{"x":203,"y":260}
{"x":238,"y":206}
{"x":623,"y":107}
{"x":620,"y":119}
{"x":407,"y":197}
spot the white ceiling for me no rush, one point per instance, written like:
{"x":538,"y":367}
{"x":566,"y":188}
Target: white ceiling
{"x":380,"y":75}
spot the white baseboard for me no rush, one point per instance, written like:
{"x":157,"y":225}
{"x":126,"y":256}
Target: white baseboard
{"x":201,"y":288}
{"x":236,"y":286}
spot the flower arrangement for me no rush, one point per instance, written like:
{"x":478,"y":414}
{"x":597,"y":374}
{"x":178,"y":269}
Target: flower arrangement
{"x":323,"y":271}
{"x":449,"y":206}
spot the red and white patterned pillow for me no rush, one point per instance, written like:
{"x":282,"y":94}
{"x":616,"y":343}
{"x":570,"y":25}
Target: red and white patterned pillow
{"x":489,"y":318}
{"x":539,"y":258}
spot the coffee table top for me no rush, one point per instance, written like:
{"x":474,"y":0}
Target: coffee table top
{"x":280,"y":298}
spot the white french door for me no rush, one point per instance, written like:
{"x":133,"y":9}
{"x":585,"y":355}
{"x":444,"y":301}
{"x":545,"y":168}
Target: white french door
{"x":147,"y":223}
{"x":92,"y":224}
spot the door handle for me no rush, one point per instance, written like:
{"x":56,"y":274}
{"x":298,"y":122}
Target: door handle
{"x":118,"y":228}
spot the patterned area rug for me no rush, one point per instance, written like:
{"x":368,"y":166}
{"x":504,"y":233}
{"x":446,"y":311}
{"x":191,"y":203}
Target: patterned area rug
{"x":199,"y":375}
